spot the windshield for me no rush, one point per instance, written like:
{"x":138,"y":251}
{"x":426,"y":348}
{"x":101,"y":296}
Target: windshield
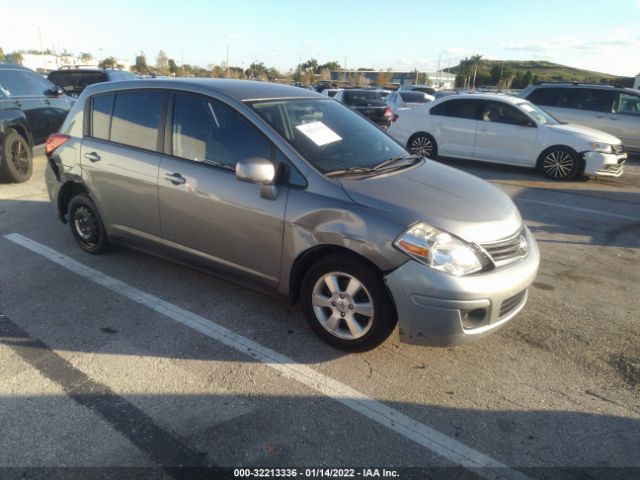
{"x":414,"y":97}
{"x":539,"y":115}
{"x":327,"y":134}
{"x":362,"y":97}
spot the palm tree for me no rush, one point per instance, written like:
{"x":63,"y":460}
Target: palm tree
{"x":476,"y":60}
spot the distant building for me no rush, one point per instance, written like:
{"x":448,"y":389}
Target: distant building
{"x":438,"y":79}
{"x":47,"y":62}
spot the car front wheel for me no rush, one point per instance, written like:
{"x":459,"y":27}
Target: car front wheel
{"x":346,"y":303}
{"x":559,"y":163}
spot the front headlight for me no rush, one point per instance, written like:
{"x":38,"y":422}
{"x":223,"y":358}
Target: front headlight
{"x":439,"y":250}
{"x":601,"y":147}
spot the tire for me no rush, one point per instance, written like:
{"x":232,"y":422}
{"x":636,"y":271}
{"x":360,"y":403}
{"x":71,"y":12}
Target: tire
{"x":86,"y":225}
{"x":423,"y":145}
{"x":559,"y":163}
{"x":16,"y":162}
{"x":356,"y":313}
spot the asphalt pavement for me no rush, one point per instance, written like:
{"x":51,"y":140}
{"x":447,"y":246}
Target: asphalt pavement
{"x":126,"y":364}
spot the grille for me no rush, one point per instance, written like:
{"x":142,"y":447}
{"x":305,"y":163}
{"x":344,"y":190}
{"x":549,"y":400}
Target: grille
{"x":618,"y":149}
{"x":510,"y":304}
{"x":508,"y":249}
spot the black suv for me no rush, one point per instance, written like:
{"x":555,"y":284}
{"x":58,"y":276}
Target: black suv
{"x":31,"y":108}
{"x":73,"y":80}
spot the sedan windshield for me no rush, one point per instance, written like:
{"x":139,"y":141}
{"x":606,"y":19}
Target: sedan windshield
{"x":539,"y":115}
{"x":328,"y":135}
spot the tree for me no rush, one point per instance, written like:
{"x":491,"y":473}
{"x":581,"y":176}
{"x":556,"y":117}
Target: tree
{"x":108,"y":62}
{"x":173,"y":68}
{"x":85,"y":57}
{"x":1,"y":55}
{"x":162,"y":63}
{"x":476,"y":61}
{"x":14,"y":57}
{"x":257,"y":70}
{"x":332,"y":66}
{"x":141,"y":63}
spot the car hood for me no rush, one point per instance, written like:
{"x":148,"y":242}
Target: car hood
{"x":590,"y":134}
{"x":442,"y":196}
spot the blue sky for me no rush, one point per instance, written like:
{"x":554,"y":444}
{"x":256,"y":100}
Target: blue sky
{"x":602,"y":36}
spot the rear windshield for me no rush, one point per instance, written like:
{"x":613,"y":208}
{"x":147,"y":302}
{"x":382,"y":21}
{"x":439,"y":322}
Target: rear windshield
{"x":414,"y":97}
{"x":73,"y":83}
{"x":362,"y":97}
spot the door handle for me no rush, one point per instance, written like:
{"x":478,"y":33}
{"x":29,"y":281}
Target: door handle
{"x":17,"y":103}
{"x":93,"y":156}
{"x":613,"y":118}
{"x":175,"y":178}
{"x":46,"y":101}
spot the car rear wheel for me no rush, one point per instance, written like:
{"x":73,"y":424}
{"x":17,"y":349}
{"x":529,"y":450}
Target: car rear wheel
{"x":559,"y":163}
{"x":346,"y":303}
{"x":423,"y":145}
{"x":16,"y":162}
{"x":86,"y":225}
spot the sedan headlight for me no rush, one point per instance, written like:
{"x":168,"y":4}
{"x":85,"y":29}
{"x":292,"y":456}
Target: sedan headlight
{"x":601,"y":147}
{"x":439,"y":250}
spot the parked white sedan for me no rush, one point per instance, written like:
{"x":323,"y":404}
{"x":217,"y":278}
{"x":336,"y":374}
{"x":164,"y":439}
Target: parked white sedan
{"x":510,"y":130}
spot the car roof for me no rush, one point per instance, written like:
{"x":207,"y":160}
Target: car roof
{"x":242,"y":90}
{"x":484,"y":96}
{"x":602,"y":86}
{"x":14,"y":67}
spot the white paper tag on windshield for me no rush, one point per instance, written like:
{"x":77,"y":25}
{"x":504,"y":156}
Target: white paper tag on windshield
{"x":319,"y":133}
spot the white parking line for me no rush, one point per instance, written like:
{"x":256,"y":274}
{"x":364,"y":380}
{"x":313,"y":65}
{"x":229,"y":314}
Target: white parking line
{"x":579,"y":209}
{"x":437,"y":442}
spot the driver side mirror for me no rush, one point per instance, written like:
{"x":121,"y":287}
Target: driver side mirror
{"x":261,"y":171}
{"x":55,"y":91}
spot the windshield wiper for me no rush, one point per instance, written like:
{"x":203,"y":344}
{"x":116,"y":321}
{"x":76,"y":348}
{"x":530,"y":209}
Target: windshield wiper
{"x":347,"y":171}
{"x":396,"y":159}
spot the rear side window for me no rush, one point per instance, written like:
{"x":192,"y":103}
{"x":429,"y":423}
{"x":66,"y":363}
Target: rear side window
{"x":467,"y":109}
{"x":101,"y":116}
{"x":136,"y":119}
{"x":14,"y":84}
{"x":414,"y":97}
{"x":545,"y":96}
{"x":628,"y":104}
{"x":210,"y":132}
{"x":592,"y":99}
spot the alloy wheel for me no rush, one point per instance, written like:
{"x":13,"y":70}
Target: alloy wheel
{"x":343,"y":305}
{"x":558,"y":164}
{"x":19,"y":157}
{"x":422,"y":146}
{"x":86,"y":226}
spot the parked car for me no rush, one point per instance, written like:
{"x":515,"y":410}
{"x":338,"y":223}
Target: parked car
{"x":398,"y":100}
{"x":31,"y":108}
{"x":330,"y":92}
{"x":418,"y":88}
{"x":368,"y":103}
{"x":505,"y":129}
{"x":73,"y":80}
{"x":288,"y":191}
{"x":614,"y":110}
{"x":324,"y":85}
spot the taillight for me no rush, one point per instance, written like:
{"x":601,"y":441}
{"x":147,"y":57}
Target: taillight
{"x":395,"y":117}
{"x":54,"y":141}
{"x":387,"y":112}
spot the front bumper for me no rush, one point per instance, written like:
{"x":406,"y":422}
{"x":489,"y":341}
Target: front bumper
{"x":604,"y":164}
{"x":435,"y":308}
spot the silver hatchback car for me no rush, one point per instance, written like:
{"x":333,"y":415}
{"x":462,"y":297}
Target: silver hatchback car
{"x":286,"y":190}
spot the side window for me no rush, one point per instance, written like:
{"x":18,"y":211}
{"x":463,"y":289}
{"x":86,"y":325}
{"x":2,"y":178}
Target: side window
{"x":628,"y":104}
{"x":592,"y":99}
{"x":101,"y":116}
{"x":38,"y":84}
{"x":207,"y":131}
{"x":13,"y":84}
{"x":467,"y":109}
{"x":498,"y":112}
{"x":545,"y":96}
{"x":136,"y":119}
